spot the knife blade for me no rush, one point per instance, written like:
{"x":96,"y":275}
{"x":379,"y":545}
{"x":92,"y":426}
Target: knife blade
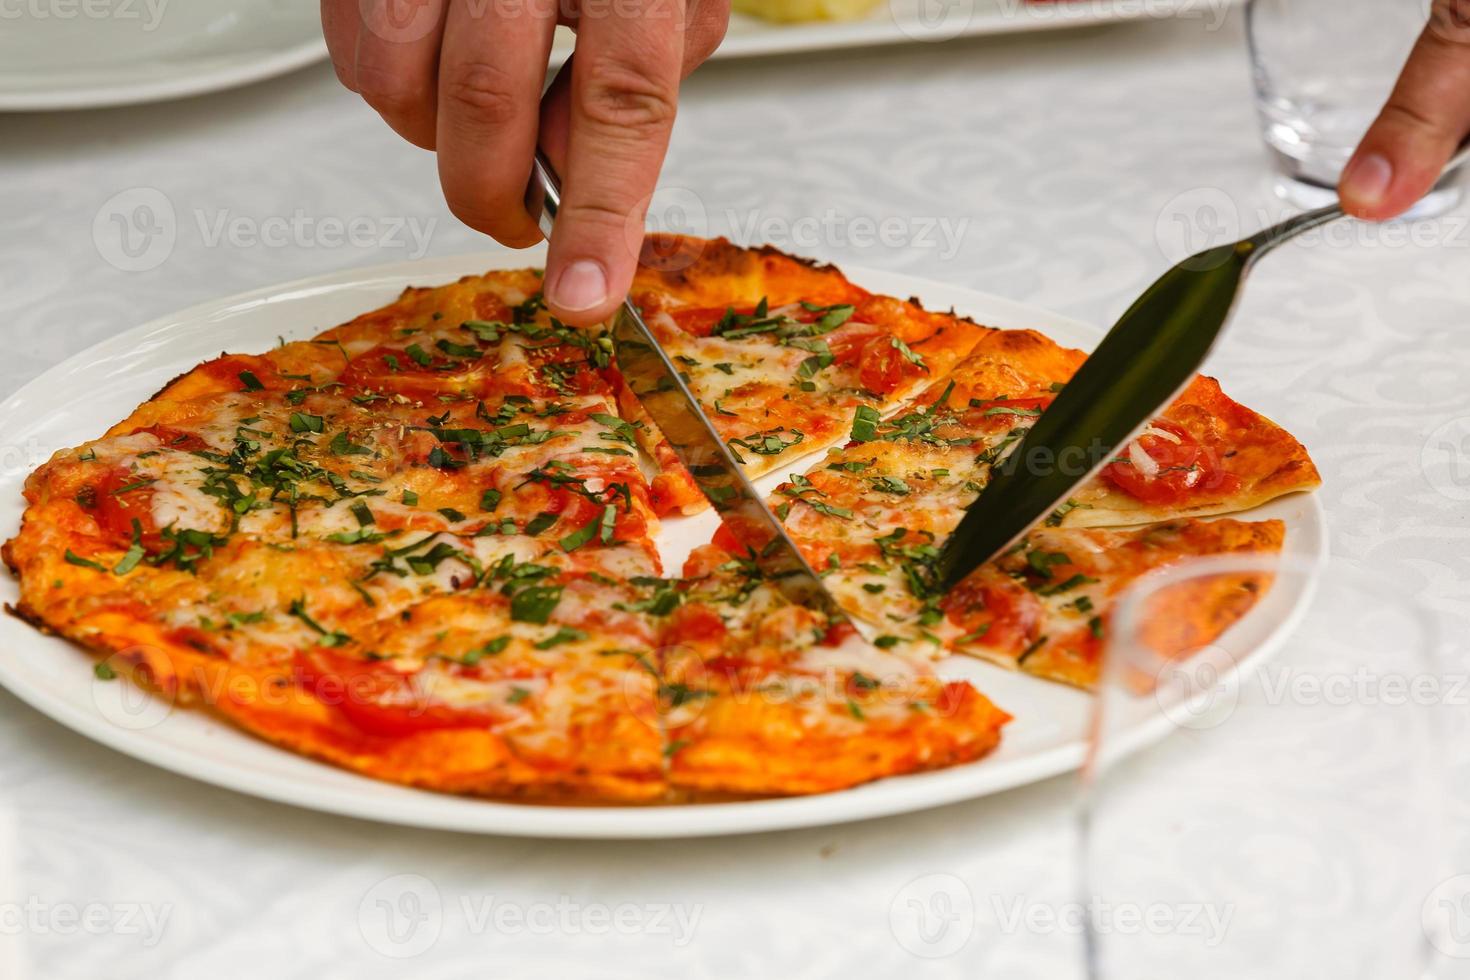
{"x":665,"y":395}
{"x":1142,"y":364}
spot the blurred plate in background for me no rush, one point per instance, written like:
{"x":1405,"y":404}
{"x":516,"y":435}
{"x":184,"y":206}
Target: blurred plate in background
{"x":907,"y":21}
{"x":85,"y":54}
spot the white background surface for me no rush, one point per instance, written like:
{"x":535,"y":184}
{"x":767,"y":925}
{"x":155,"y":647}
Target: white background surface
{"x":1064,"y":152}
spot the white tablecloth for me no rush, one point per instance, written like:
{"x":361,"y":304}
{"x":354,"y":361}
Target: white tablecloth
{"x":1047,"y":168}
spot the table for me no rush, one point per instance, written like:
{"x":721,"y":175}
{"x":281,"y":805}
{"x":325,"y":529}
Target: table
{"x":1065,"y":169}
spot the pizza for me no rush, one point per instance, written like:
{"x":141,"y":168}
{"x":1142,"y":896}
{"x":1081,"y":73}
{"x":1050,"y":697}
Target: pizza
{"x":779,"y":352}
{"x":873,"y":512}
{"x":422,"y":545}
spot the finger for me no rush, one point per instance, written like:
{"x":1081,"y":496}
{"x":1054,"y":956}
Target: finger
{"x":706,"y":22}
{"x":623,"y":92}
{"x":1424,"y":121}
{"x":397,"y":64}
{"x":340,"y":21}
{"x":492,"y":66}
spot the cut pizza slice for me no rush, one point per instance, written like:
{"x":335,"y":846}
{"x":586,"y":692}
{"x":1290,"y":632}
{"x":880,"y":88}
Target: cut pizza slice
{"x":780,"y":353}
{"x":763,"y":697}
{"x":1204,"y":455}
{"x":1047,"y":605}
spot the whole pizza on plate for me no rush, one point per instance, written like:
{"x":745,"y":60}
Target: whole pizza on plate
{"x":422,"y":544}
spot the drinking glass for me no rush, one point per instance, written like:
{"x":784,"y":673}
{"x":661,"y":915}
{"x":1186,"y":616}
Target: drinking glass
{"x":1270,"y":803}
{"x":1323,"y":69}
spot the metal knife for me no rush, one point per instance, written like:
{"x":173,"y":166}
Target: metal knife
{"x":666,"y":397}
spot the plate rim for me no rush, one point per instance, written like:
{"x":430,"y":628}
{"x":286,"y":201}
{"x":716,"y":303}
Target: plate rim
{"x":183,"y":82}
{"x":407,"y":806}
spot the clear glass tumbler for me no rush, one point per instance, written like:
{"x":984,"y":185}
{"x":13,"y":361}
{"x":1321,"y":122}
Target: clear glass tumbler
{"x":1323,"y":69}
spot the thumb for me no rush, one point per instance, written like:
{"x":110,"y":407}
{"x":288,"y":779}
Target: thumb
{"x":1418,"y":130}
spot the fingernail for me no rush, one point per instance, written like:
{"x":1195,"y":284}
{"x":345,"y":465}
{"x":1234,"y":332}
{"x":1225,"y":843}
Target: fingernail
{"x":1367,"y":178}
{"x":581,"y":286}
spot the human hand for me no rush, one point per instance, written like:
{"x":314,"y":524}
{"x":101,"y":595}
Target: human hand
{"x":465,"y":78}
{"x":1424,"y":122}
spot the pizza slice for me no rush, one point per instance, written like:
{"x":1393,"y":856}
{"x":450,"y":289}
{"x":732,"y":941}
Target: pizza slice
{"x":1046,"y":606}
{"x":1205,"y":454}
{"x":780,"y":353}
{"x":764,"y":697}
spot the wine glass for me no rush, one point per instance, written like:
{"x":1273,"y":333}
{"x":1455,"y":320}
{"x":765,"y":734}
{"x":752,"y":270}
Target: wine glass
{"x":1269,"y":801}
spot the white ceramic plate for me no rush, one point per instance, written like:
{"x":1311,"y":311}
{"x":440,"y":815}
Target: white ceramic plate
{"x":85,"y":54}
{"x":77,"y":400}
{"x":905,"y":21}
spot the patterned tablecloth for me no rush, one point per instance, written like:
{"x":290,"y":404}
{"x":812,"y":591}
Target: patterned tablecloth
{"x":1064,"y":170}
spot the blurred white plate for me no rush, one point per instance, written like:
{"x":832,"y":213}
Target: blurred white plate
{"x":85,"y":54}
{"x":79,"y":399}
{"x":904,"y":21}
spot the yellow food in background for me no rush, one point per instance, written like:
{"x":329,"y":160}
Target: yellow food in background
{"x":794,"y":11}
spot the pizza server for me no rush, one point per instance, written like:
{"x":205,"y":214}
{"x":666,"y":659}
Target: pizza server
{"x":1141,"y":365}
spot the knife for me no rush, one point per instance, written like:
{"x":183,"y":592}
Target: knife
{"x":665,"y":395}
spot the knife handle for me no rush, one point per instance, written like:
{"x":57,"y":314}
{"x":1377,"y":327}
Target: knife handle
{"x":543,"y":193}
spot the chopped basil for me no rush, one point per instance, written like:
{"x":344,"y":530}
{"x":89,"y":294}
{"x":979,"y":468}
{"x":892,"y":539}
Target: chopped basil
{"x":535,"y":603}
{"x":455,"y":350}
{"x":564,"y":634}
{"x":75,"y":559}
{"x":540,"y":522}
{"x":865,"y":424}
{"x":250,"y":381}
{"x":302,"y":422}
{"x":490,"y":499}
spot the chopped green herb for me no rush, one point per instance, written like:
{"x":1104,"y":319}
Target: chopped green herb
{"x":75,"y":559}
{"x":865,"y":424}
{"x":302,"y":422}
{"x":540,"y":522}
{"x":564,"y":634}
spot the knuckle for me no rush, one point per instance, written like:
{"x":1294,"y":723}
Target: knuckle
{"x":1407,"y":114}
{"x":484,"y":90}
{"x":596,"y":215}
{"x":627,"y":94}
{"x":388,"y":92}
